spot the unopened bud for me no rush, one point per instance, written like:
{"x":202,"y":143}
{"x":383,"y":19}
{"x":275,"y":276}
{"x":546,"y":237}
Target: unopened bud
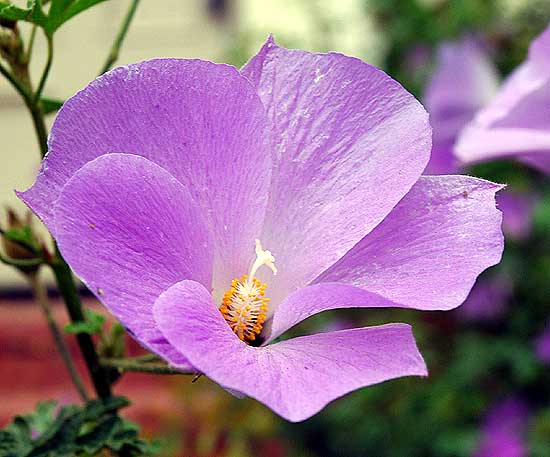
{"x":22,"y":227}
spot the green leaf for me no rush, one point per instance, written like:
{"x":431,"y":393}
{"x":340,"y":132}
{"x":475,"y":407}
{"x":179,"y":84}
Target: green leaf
{"x":60,"y":12}
{"x":76,"y":431}
{"x":92,"y":325}
{"x":51,"y":105}
{"x":63,"y":10}
{"x":32,"y":13}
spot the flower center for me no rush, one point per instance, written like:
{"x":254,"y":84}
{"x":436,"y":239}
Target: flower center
{"x":244,"y":305}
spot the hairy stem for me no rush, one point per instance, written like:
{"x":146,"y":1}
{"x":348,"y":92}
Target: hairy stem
{"x":41,"y":296}
{"x":67,"y":288}
{"x":119,"y":39}
{"x":138,"y":365}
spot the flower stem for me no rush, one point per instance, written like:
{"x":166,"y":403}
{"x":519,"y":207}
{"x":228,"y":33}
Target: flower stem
{"x":31,"y":44}
{"x":41,"y":296}
{"x":115,"y":48}
{"x":37,"y":115}
{"x":137,"y":365}
{"x":67,"y":288}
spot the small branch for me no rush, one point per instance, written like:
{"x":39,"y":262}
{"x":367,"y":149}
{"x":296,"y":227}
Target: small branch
{"x":39,"y":127}
{"x":119,"y":39}
{"x":16,"y":85}
{"x":147,"y":358}
{"x":46,"y":71}
{"x":137,"y":365}
{"x":41,"y":296}
{"x":31,"y":44}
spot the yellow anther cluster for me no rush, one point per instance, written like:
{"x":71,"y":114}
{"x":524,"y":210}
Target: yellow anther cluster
{"x":244,"y":307}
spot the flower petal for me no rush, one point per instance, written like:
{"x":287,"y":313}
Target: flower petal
{"x":203,"y":122}
{"x":310,"y":300}
{"x":349,"y":143}
{"x":517,"y":121}
{"x":295,"y":378}
{"x":130,"y":230}
{"x":429,"y":250}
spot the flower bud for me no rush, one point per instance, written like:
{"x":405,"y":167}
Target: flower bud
{"x":22,"y":228}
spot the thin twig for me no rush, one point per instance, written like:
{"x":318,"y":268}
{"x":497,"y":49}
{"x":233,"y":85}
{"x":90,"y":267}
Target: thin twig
{"x":131,"y":364}
{"x":41,"y":296}
{"x":46,"y":71}
{"x":119,"y":39}
{"x":31,"y":44}
{"x":16,"y":85}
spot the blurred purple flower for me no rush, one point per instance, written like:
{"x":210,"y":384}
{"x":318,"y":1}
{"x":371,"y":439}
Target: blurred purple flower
{"x":517,"y":213}
{"x":516,"y":123}
{"x":417,"y":59}
{"x":487,"y":300}
{"x":464,"y":80}
{"x":542,"y":346}
{"x":502,"y":431}
{"x":161,"y":175}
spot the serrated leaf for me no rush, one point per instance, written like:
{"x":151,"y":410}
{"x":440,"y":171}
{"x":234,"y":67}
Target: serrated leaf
{"x":77,"y":430}
{"x":93,"y":441}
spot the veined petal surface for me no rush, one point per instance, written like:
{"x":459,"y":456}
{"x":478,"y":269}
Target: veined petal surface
{"x":349,"y":142}
{"x":130,"y":230}
{"x":202,"y":122}
{"x":295,"y":378}
{"x":430,"y":249}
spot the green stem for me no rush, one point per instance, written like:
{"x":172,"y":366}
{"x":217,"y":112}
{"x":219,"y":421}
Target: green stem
{"x":41,"y":296}
{"x":119,"y":39}
{"x":67,"y":288}
{"x":46,"y":72}
{"x":39,"y":127}
{"x":136,"y":365}
{"x":31,"y":44}
{"x":16,"y":85}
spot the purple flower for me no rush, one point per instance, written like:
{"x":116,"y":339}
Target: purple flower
{"x":487,"y":300}
{"x":163,"y":175}
{"x":542,"y":346}
{"x":502,"y":431}
{"x":517,"y":213}
{"x":516,"y":123}
{"x":464,"y":80}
